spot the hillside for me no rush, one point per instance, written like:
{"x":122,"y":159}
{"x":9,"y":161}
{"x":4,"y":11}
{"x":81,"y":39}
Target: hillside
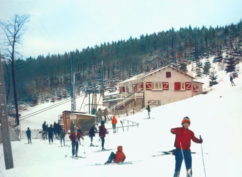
{"x":50,"y":75}
{"x":216,"y":116}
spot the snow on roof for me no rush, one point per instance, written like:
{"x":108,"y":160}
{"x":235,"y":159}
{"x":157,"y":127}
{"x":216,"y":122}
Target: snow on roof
{"x":143,"y":75}
{"x":198,"y":82}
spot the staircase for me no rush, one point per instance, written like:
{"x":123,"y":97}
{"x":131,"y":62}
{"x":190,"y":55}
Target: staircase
{"x":120,"y":105}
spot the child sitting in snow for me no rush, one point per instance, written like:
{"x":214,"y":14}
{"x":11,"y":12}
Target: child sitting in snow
{"x":118,"y":157}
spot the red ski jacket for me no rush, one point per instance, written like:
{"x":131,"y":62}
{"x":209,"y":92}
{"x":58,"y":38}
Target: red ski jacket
{"x":184,"y":137}
{"x":73,"y":136}
{"x":119,"y":157}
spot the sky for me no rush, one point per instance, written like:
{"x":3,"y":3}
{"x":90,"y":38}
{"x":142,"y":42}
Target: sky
{"x":59,"y":26}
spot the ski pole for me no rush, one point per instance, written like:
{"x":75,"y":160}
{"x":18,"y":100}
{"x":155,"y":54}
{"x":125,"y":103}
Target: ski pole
{"x":84,"y":147}
{"x":68,"y":150}
{"x":203,"y":158}
{"x":108,"y":140}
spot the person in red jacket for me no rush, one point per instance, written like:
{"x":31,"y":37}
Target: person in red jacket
{"x":102,"y":134}
{"x":118,"y":157}
{"x":75,"y":139}
{"x":182,"y":144}
{"x":114,"y":122}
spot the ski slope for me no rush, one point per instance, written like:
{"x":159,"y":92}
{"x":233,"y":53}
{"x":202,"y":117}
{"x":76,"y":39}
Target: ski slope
{"x":216,"y":116}
{"x":51,"y":115}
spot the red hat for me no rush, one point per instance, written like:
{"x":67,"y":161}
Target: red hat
{"x":186,"y":120}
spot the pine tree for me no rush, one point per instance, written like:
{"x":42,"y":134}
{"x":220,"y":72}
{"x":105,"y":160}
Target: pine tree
{"x":213,"y":78}
{"x":183,"y":66}
{"x":230,"y":65}
{"x":206,"y":68}
{"x":198,"y":72}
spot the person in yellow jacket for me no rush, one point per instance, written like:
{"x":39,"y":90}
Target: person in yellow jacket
{"x":114,"y":122}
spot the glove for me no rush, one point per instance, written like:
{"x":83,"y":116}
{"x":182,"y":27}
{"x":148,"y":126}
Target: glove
{"x":201,"y":139}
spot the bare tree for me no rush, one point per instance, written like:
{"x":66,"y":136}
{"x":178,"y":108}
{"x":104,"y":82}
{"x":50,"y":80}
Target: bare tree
{"x":13,"y":33}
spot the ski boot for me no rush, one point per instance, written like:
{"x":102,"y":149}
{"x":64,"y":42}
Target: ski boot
{"x":103,"y":149}
{"x":189,"y":173}
{"x":91,"y":144}
{"x":108,"y":162}
{"x":177,"y":174}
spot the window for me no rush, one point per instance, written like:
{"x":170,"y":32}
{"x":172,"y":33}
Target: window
{"x":165,"y":85}
{"x":135,"y":87}
{"x":177,"y":85}
{"x":148,"y":85}
{"x":195,"y":88}
{"x":180,"y":86}
{"x":157,"y":86}
{"x":188,"y":86}
{"x":122,"y":89}
{"x":141,"y":86}
{"x":168,"y":74}
{"x":127,"y":89}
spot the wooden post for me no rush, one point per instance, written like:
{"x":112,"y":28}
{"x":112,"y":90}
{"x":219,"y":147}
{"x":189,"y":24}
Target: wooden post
{"x":128,"y":126}
{"x":122,"y":124}
{"x":7,"y":149}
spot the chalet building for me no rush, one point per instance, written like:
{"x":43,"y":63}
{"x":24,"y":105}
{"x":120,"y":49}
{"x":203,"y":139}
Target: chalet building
{"x":162,"y":86}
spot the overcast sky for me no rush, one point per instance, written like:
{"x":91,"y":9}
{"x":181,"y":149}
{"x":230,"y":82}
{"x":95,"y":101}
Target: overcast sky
{"x":57,"y":26}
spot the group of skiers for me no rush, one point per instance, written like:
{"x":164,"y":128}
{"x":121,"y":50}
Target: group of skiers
{"x":100,"y":114}
{"x":182,"y":142}
{"x":50,"y":132}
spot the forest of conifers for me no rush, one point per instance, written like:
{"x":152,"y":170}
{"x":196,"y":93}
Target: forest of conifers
{"x":121,"y":59}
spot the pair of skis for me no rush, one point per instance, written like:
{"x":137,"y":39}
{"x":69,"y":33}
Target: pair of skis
{"x":163,"y":153}
{"x":77,"y":157}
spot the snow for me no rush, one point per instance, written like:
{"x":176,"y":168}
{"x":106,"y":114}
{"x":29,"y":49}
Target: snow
{"x":52,"y":115}
{"x":216,"y":116}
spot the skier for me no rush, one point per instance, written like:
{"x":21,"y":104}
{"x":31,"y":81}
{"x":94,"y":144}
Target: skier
{"x":105,"y":114}
{"x":98,"y":116}
{"x":232,"y":80}
{"x":28,"y":133}
{"x":148,"y":109}
{"x":118,"y":157}
{"x":59,"y":128}
{"x":44,"y":130}
{"x":75,"y":138}
{"x":92,"y":132}
{"x":93,"y":112}
{"x":62,"y":137}
{"x":50,"y":133}
{"x":79,"y":130}
{"x":55,"y":129}
{"x":182,"y":144}
{"x":47,"y":130}
{"x":114,"y":122}
{"x":102,"y":134}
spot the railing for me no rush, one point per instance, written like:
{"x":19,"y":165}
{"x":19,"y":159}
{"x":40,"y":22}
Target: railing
{"x":130,"y":124}
{"x":111,"y":97}
{"x":129,"y":97}
{"x":35,"y":134}
{"x":127,"y":112}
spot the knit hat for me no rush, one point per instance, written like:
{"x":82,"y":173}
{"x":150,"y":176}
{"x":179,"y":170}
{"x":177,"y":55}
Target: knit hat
{"x":102,"y":122}
{"x":186,"y":120}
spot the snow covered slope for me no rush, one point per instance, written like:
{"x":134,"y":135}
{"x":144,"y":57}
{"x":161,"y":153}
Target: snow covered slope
{"x":216,"y":116}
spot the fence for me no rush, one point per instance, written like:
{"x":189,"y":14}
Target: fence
{"x":129,"y":124}
{"x":126,"y":112}
{"x":35,"y":134}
